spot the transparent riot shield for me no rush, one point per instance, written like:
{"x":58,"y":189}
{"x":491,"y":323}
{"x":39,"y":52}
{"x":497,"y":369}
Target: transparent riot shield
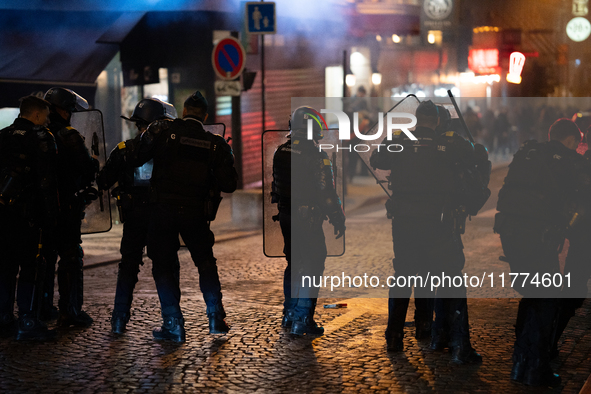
{"x":409,"y":105}
{"x":97,"y":215}
{"x":272,"y":236}
{"x":216,"y":128}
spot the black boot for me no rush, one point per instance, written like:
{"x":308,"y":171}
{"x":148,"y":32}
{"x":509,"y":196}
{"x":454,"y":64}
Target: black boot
{"x":439,"y":339}
{"x":423,"y":329}
{"x":7,"y":326}
{"x":173,"y":329}
{"x":464,"y":353}
{"x":287,"y":320}
{"x":31,"y":328}
{"x":118,"y":322}
{"x":394,"y":342}
{"x":519,"y":366}
{"x":71,"y":318}
{"x":48,"y":313}
{"x":540,"y":373}
{"x":306,"y":326}
{"x":217,"y":324}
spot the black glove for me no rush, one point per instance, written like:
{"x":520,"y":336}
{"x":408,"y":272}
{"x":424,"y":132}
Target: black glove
{"x":339,"y":228}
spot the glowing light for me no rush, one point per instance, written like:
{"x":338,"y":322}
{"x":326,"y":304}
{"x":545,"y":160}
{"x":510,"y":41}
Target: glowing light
{"x":469,"y":77}
{"x":431,"y":38}
{"x":350,"y":80}
{"x":379,"y":38}
{"x":516,"y":62}
{"x":357,"y":59}
{"x":395,"y":38}
{"x":376,"y":78}
{"x":486,"y":29}
{"x":440,"y":92}
{"x":483,"y":61}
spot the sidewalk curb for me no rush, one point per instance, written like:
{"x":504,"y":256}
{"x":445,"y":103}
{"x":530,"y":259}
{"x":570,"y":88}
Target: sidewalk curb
{"x":112,"y":258}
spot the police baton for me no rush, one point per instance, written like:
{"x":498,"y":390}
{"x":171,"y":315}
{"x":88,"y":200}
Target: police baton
{"x":462,"y":121}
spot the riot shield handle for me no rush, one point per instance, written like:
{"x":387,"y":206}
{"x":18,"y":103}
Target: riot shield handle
{"x":462,"y":121}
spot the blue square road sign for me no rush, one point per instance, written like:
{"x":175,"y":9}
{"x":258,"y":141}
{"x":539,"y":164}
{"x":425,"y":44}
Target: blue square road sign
{"x":260,"y":18}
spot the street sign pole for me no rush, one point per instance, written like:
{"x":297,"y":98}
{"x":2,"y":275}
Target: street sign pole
{"x":237,"y":132}
{"x":263,"y":76}
{"x":260,"y":19}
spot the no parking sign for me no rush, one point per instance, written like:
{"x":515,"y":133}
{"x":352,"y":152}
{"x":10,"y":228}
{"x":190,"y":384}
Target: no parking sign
{"x":228,"y":58}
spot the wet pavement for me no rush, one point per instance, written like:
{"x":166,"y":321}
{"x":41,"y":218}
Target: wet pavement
{"x":257,"y":355}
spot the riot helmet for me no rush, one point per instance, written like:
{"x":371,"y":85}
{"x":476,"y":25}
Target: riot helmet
{"x":444,"y":119}
{"x":299,"y":122}
{"x":149,"y":110}
{"x":66,"y":99}
{"x":427,"y":114}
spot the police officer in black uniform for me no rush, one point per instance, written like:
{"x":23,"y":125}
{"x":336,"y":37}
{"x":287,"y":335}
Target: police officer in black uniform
{"x":303,"y":188}
{"x":535,"y":209}
{"x":191,"y":167}
{"x":427,"y":196}
{"x":577,"y":262}
{"x":133,"y":195}
{"x":28,"y":211}
{"x":76,"y":172}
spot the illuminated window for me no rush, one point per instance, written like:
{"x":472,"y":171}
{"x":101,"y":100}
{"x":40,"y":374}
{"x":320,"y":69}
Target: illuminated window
{"x":434,"y":37}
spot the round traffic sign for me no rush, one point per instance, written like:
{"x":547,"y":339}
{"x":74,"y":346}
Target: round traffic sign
{"x":228,"y":58}
{"x":578,"y":29}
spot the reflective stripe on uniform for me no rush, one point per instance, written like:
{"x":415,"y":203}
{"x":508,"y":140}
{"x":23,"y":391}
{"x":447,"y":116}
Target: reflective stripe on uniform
{"x":195,"y":142}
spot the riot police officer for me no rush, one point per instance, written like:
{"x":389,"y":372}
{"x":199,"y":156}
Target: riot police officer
{"x":28,"y":210}
{"x":534,"y":213}
{"x":303,"y":188}
{"x":133,"y":195}
{"x":76,"y":172}
{"x":427,"y":196}
{"x":191,"y":167}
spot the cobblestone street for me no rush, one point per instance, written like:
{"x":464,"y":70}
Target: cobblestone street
{"x":257,"y":355}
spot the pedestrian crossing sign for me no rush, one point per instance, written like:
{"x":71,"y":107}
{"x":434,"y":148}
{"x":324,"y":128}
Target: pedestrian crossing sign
{"x":260,"y":18}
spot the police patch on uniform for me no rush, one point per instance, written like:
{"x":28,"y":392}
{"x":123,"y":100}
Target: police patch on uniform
{"x":195,"y":142}
{"x":121,"y":145}
{"x":326,"y":162}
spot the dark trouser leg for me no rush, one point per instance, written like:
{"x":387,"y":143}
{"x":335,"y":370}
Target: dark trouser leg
{"x":200,"y":240}
{"x":567,"y":310}
{"x":440,"y":329}
{"x":70,"y":279}
{"x":308,"y":255}
{"x":47,"y":307}
{"x":535,"y":340}
{"x":397,"y":308}
{"x":8,"y":287}
{"x":285,"y":223}
{"x":163,"y":245}
{"x":133,"y":241}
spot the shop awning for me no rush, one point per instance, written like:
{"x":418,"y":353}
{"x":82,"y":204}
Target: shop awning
{"x":41,"y":49}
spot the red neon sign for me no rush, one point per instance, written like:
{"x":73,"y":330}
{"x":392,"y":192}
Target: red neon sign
{"x":483,"y":61}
